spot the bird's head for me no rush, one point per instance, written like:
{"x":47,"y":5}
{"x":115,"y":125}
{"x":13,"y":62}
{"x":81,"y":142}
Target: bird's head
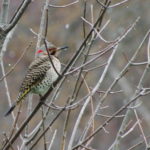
{"x":52,"y":49}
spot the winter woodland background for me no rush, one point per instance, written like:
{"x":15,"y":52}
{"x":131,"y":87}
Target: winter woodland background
{"x":119,"y":73}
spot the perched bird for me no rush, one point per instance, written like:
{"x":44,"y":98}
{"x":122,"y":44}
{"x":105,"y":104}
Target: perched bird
{"x":42,"y":72}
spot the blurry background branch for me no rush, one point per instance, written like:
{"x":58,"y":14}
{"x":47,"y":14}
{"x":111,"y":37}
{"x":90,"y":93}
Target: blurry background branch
{"x":5,"y":26}
{"x":105,"y":69}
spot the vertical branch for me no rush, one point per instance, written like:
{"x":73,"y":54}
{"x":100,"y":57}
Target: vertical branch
{"x":84,"y":14}
{"x":92,"y":110}
{"x":41,"y":36}
{"x":3,"y":21}
{"x":47,"y":128}
{"x":43,"y":25}
{"x":5,"y":12}
{"x":4,"y":48}
{"x":148,"y":50}
{"x":29,"y":110}
{"x":43,"y":127}
{"x":2,"y":66}
{"x":52,"y":141}
{"x":66,"y":123}
{"x":141,"y":128}
{"x":45,"y":19}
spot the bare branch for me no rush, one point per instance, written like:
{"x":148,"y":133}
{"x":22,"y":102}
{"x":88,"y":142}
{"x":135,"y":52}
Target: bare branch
{"x":14,"y":66}
{"x":107,"y":121}
{"x":52,"y":141}
{"x":63,"y":6}
{"x":18,"y":15}
{"x":141,"y":128}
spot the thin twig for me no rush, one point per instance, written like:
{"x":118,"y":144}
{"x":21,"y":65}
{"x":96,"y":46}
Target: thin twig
{"x":52,"y":141}
{"x":6,"y":140}
{"x":113,"y":5}
{"x":119,"y":3}
{"x":43,"y":125}
{"x":108,"y":120}
{"x":107,"y":49}
{"x":50,"y":59}
{"x":84,"y":14}
{"x":5,"y":12}
{"x":63,"y":6}
{"x":14,"y":66}
{"x":93,"y":68}
{"x":123,"y":135}
{"x":141,"y":128}
{"x":138,"y":144}
{"x":47,"y":128}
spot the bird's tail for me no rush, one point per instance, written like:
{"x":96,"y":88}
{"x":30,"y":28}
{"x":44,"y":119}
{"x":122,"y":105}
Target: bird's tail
{"x":20,"y":98}
{"x":10,"y":109}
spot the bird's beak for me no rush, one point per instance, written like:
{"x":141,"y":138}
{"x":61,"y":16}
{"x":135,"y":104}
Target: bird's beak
{"x":62,"y":48}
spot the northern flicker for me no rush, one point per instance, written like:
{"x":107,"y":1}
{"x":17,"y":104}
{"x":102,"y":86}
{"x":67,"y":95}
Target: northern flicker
{"x":40,"y":75}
